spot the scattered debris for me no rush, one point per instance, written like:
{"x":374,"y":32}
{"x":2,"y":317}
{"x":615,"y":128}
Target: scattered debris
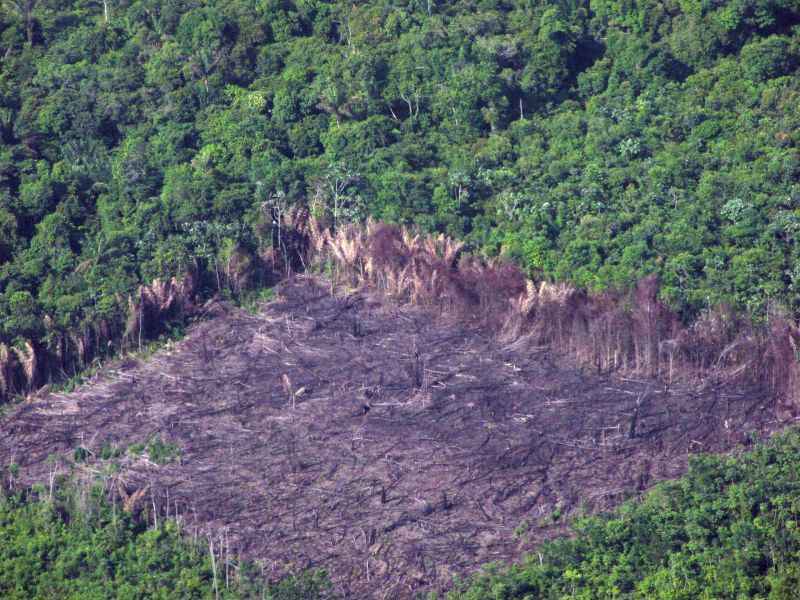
{"x":457,"y":439}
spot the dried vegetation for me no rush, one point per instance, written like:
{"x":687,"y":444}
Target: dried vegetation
{"x":398,"y":421}
{"x":631,"y":333}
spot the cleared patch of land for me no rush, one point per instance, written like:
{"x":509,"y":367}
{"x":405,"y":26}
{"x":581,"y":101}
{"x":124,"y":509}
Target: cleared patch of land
{"x":393,"y":447}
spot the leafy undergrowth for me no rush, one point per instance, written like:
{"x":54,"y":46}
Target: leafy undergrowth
{"x":78,"y":546}
{"x":728,"y":529}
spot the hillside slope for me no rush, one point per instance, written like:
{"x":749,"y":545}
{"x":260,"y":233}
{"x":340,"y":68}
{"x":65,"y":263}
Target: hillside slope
{"x":726,"y":530}
{"x":595,"y":142}
{"x":470,"y":451}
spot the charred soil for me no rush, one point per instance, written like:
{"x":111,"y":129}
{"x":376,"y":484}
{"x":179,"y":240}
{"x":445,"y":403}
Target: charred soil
{"x":392,"y":446}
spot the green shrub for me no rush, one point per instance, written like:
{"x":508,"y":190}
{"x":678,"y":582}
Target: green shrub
{"x":79,"y":547}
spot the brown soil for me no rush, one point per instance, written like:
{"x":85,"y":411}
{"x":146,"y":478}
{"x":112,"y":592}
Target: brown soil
{"x":463,"y":439}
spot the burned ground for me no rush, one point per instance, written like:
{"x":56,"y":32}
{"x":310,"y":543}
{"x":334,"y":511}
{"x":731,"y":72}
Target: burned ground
{"x":392,"y":447}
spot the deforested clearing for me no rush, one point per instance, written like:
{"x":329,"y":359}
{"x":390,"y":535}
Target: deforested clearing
{"x":392,"y":445}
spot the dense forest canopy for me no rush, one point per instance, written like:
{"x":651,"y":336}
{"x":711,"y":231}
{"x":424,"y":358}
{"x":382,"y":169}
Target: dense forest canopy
{"x":596,"y":142}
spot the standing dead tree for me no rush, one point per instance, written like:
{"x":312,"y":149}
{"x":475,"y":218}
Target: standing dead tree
{"x":630,"y":332}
